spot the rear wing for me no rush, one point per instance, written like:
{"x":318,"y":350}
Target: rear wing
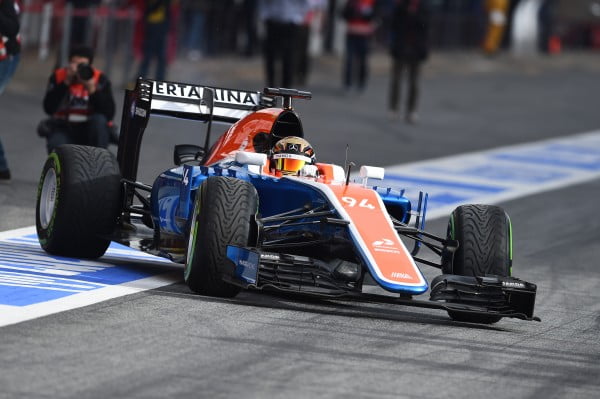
{"x":190,"y":101}
{"x":178,"y":100}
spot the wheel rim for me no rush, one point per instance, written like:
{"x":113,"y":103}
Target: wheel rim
{"x":48,"y":198}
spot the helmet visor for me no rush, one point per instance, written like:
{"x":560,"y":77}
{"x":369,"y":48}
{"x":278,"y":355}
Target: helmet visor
{"x":289,"y":165}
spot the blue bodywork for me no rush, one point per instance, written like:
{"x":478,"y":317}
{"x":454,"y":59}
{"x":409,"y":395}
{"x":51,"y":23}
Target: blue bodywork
{"x":276,"y":195}
{"x":174,"y":193}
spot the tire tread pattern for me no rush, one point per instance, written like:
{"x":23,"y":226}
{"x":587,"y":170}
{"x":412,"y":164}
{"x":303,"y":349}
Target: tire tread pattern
{"x":483,"y":233}
{"x":88,"y":201}
{"x":226,"y":208}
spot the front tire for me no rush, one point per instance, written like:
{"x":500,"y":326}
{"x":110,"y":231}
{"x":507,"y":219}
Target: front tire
{"x":484,"y":234}
{"x":78,"y":201}
{"x":223,"y":213}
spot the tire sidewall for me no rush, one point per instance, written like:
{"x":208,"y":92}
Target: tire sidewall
{"x":45,"y":234}
{"x":192,"y":253}
{"x":87,"y":201}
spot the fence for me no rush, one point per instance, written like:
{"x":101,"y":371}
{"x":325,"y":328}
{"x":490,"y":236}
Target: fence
{"x":56,"y":25}
{"x":50,"y":27}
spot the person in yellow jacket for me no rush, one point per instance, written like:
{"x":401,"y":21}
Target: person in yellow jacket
{"x":497,"y":12}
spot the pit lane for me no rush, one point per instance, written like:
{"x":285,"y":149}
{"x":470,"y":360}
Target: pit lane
{"x":165,"y":341}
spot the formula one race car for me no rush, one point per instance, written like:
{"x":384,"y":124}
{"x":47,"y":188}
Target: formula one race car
{"x":256,"y":211}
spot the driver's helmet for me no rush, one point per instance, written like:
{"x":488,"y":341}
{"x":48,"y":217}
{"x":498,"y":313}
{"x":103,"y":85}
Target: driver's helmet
{"x":290,"y":154}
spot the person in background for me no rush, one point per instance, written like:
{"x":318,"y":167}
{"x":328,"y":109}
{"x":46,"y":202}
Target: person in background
{"x":497,"y":18}
{"x":250,"y":11}
{"x":10,"y":48}
{"x":156,"y":18}
{"x":283,"y":20}
{"x":360,"y":27}
{"x":312,"y":18}
{"x":80,"y":103}
{"x":196,"y":12}
{"x":80,"y":22}
{"x":409,"y":48}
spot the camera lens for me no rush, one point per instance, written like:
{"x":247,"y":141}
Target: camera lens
{"x":85,"y":71}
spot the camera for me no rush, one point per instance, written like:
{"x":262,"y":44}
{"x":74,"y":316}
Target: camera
{"x":85,"y":71}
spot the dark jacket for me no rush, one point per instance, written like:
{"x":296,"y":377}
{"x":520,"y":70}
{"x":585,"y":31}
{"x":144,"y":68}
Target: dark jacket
{"x":9,"y":26}
{"x":410,"y":30}
{"x":58,"y":93}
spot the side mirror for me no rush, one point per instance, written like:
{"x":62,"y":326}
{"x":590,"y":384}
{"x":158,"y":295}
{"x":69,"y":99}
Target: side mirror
{"x":372,"y":172}
{"x":187,"y":154}
{"x":254,"y":161}
{"x":251,"y":158}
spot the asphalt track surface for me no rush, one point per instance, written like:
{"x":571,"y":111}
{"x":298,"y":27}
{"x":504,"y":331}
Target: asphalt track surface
{"x":167,"y":342}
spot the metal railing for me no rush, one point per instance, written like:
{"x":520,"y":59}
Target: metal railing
{"x":48,"y":26}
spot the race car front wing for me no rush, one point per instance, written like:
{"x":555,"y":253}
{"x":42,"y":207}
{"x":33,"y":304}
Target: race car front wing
{"x":498,"y":296}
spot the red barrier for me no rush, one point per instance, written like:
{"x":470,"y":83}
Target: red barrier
{"x":595,"y":36}
{"x":59,"y":11}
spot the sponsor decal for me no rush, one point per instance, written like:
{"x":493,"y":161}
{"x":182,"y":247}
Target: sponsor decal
{"x":274,"y":257}
{"x":246,"y":263}
{"x":177,"y":90}
{"x":512,"y":284}
{"x":283,"y":155}
{"x":186,"y":176}
{"x":140,"y":112}
{"x":389,"y":246}
{"x":385,"y":241}
{"x":181,"y":90}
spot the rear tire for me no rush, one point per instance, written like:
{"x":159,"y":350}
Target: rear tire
{"x":223,"y":214}
{"x":78,"y":201}
{"x":484,"y":234}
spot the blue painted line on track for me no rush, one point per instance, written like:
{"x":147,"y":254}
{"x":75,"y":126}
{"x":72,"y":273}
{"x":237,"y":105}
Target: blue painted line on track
{"x":29,"y":276}
{"x":431,"y":182}
{"x":502,"y":174}
{"x":545,"y":159}
{"x":440,"y":199}
{"x":574,"y":149}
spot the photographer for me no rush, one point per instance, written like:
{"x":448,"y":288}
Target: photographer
{"x":80,"y":103}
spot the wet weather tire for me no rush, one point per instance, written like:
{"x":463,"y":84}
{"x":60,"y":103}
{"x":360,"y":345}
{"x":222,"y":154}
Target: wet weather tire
{"x":78,"y":201}
{"x":223,"y":215}
{"x":485,"y":247}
